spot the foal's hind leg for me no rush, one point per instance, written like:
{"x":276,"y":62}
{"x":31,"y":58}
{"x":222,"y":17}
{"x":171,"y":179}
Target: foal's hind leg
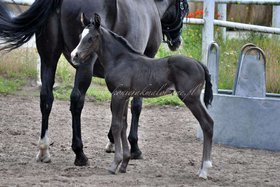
{"x":136,"y":107}
{"x":125,"y":146}
{"x":206,"y":123}
{"x":118,"y":104}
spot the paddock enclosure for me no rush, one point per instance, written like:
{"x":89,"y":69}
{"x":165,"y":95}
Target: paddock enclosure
{"x":167,"y":137}
{"x":172,"y":153}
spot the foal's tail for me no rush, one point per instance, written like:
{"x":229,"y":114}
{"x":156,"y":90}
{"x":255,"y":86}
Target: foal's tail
{"x":208,"y":92}
{"x":15,"y":31}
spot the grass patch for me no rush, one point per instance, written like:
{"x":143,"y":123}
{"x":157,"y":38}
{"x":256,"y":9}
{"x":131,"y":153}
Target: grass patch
{"x":62,"y":92}
{"x":164,"y":100}
{"x":99,"y":94}
{"x":9,"y":86}
{"x":16,"y":68}
{"x":18,"y":64}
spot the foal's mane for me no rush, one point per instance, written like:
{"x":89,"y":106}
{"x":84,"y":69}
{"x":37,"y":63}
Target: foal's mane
{"x":124,"y":42}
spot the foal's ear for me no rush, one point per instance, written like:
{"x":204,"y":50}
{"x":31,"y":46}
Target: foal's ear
{"x":84,"y":20}
{"x":97,"y":20}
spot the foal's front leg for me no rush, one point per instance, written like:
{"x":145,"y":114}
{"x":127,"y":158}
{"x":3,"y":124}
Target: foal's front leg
{"x":118,"y":106}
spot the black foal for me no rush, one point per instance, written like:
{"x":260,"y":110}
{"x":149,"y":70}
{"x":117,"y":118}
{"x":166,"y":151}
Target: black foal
{"x":129,"y":73}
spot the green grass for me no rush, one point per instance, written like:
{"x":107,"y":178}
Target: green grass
{"x":164,"y":100}
{"x":9,"y":86}
{"x":19,"y":66}
{"x":16,"y":69}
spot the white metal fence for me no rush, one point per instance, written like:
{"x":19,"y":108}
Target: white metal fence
{"x":208,"y":20}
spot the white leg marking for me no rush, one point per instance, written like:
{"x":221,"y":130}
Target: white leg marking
{"x":110,"y":147}
{"x":43,"y":155}
{"x":202,"y":173}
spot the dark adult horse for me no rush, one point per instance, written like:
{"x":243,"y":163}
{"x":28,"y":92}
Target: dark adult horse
{"x":57,"y":26}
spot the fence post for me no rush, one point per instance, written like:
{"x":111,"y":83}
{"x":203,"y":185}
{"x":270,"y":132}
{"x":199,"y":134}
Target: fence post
{"x":222,"y":10}
{"x":275,"y":18}
{"x":208,"y":28}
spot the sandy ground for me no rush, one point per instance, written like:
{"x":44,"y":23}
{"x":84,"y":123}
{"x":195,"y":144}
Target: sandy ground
{"x":167,"y":138}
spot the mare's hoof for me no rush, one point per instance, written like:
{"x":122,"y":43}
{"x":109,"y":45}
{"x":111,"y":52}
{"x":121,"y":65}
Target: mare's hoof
{"x":136,"y":155}
{"x":45,"y":158}
{"x":81,"y":160}
{"x":110,"y":148}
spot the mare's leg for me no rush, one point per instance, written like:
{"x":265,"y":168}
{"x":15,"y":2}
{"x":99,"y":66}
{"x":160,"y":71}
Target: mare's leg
{"x":49,"y":46}
{"x":82,"y":82}
{"x":136,"y":107}
{"x":206,"y":123}
{"x":46,"y":101}
{"x":118,"y":106}
{"x":125,"y":146}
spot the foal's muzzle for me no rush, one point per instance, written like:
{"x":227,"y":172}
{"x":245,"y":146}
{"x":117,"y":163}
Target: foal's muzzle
{"x":75,"y":58}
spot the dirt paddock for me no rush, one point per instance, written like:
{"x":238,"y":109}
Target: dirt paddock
{"x":167,"y":138}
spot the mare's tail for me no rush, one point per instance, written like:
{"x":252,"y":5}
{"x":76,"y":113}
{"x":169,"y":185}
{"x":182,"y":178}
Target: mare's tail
{"x":15,"y":31}
{"x":208,"y":92}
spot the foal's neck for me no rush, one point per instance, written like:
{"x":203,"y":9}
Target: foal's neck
{"x":112,"y":47}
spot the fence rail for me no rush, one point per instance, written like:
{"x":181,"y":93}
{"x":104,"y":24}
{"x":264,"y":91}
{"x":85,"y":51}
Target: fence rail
{"x":208,"y":20}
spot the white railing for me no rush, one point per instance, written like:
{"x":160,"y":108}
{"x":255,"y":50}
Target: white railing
{"x":208,"y":20}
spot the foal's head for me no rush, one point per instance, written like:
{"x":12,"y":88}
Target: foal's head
{"x":89,"y":41}
{"x":172,"y":23}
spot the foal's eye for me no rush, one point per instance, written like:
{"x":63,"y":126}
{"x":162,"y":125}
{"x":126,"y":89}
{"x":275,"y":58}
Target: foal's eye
{"x":90,"y":39}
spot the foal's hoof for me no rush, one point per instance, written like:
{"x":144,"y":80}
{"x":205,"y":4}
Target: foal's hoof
{"x":203,"y":172}
{"x":136,"y":155}
{"x":122,"y":170}
{"x":81,"y":160}
{"x":111,"y":171}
